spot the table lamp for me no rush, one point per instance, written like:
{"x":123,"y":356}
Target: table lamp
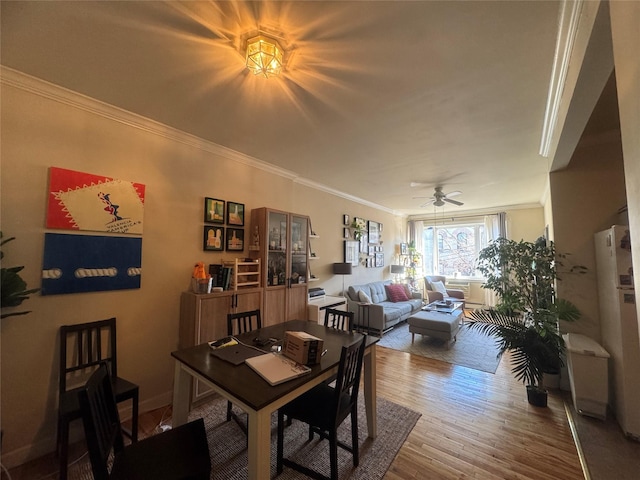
{"x":342,"y":269}
{"x":397,"y":270}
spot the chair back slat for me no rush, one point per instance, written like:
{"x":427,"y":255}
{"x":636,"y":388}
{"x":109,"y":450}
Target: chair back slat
{"x":101,"y":421}
{"x":243,"y":322}
{"x":83,"y":347}
{"x":338,"y":319}
{"x":349,"y":371}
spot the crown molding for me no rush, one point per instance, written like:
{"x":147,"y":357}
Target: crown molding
{"x":568,"y":23}
{"x":36,"y":86}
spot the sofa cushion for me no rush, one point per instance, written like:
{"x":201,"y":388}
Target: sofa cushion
{"x":439,"y":287}
{"x":375,"y":291}
{"x":363,"y":297}
{"x":396,"y":293}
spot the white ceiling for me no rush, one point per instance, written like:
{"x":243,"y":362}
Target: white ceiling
{"x":375,"y":95}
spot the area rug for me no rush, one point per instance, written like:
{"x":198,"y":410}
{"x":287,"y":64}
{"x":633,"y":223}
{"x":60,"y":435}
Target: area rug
{"x":227,"y":444}
{"x":472,"y":348}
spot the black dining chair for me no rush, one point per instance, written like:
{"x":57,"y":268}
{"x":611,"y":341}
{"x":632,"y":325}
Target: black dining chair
{"x":338,"y":319}
{"x":238,"y":323}
{"x":324,"y":408}
{"x":177,"y":454}
{"x":82,"y":348}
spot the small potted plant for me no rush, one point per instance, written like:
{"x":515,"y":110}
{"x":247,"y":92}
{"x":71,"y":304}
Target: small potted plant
{"x":525,"y":320}
{"x":14,"y":288}
{"x":358,"y":227}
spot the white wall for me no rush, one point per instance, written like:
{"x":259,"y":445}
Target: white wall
{"x":586,"y":198}
{"x":44,"y":126}
{"x":525,"y":224}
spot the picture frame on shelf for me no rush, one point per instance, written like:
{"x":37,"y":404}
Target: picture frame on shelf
{"x":346,"y":233}
{"x":374,"y":232}
{"x":351,"y":252}
{"x":213,"y":210}
{"x":213,"y":238}
{"x":235,"y":214}
{"x":345,"y":219}
{"x":235,"y":239}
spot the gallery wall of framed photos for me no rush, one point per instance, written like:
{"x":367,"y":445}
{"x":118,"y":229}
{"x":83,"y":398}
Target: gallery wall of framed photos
{"x":224,"y":231}
{"x":363,"y":242}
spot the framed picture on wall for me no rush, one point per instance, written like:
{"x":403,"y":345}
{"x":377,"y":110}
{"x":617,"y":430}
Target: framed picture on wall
{"x":404,"y":249}
{"x":235,"y":214}
{"x":213,"y":239}
{"x":374,"y":232}
{"x":345,"y":219}
{"x":351,"y":252}
{"x":364,"y":243}
{"x":235,"y":239}
{"x":213,"y":210}
{"x":379,"y":259}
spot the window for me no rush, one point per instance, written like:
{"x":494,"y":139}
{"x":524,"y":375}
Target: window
{"x":455,"y":249}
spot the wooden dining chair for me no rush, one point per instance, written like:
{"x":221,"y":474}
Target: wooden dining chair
{"x":238,"y":323}
{"x":177,"y":454}
{"x":82,"y":348}
{"x":338,"y":319}
{"x":324,"y":408}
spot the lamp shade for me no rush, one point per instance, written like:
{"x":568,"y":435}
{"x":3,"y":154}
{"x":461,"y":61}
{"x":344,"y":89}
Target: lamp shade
{"x":397,"y":269}
{"x":342,"y":269}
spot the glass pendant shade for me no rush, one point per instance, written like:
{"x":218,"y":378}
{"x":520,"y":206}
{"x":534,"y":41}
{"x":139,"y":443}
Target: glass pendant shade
{"x":264,"y":56}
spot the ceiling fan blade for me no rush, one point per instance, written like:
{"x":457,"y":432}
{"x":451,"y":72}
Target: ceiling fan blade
{"x":453,"y":194}
{"x":426,"y":204}
{"x":455,"y":202}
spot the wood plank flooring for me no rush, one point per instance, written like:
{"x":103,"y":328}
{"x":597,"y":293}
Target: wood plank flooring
{"x":473,"y":425}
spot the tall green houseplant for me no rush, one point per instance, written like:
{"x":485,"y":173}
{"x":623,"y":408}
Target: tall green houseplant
{"x":525,"y":319}
{"x":14,"y":288}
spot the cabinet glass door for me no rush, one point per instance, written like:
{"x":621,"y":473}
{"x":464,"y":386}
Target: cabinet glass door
{"x":277,"y":249}
{"x":299,"y":243}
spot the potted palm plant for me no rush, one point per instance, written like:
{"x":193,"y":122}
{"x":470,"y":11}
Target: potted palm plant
{"x":525,"y":320}
{"x":14,"y":288}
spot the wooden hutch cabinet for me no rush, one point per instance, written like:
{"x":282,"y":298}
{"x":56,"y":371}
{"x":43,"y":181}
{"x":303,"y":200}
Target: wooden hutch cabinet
{"x":203,"y":318}
{"x":284,"y":257}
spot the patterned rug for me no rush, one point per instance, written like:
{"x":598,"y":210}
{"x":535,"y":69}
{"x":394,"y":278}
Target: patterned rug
{"x":472,"y":348}
{"x":227,"y":444}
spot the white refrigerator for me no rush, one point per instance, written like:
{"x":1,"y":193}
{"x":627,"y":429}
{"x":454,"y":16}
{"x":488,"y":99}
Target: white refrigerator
{"x":619,"y":325}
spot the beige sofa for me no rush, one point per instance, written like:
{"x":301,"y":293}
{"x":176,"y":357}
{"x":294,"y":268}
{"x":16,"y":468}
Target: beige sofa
{"x":381,"y":313}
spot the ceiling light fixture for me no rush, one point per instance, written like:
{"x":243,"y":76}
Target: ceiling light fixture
{"x":264,"y":56}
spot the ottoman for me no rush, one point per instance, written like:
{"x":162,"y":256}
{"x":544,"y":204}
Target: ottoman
{"x":444,"y":326}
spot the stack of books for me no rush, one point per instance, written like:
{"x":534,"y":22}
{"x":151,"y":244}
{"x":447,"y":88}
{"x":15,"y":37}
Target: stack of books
{"x":221,"y":275}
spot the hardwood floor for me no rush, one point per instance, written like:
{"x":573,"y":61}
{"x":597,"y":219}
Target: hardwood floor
{"x":473,"y":425}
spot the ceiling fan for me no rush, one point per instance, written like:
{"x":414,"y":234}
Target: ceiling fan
{"x":439,"y":197}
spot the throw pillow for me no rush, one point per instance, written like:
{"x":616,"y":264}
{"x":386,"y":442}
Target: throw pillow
{"x":439,"y":287}
{"x":407,"y":290}
{"x":363,"y":297}
{"x":396,"y":293}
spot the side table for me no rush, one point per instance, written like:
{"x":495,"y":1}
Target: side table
{"x":363,"y":312}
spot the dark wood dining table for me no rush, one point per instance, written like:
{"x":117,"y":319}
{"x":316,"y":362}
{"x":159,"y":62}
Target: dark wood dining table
{"x":247,"y":390}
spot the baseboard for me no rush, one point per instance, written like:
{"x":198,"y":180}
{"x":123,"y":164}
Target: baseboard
{"x":47,"y":445}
